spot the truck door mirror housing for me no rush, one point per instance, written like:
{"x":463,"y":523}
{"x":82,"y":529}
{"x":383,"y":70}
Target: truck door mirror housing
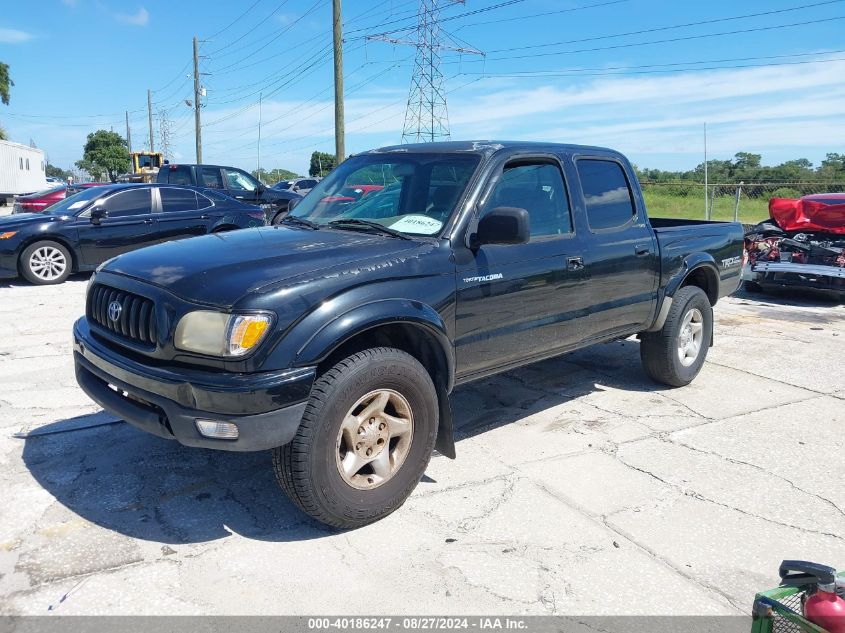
{"x":98,"y":214}
{"x":293,"y":203}
{"x":503,"y":225}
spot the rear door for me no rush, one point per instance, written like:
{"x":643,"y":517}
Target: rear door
{"x":515,"y":302}
{"x":180,"y":215}
{"x":129,"y":225}
{"x":621,"y":255}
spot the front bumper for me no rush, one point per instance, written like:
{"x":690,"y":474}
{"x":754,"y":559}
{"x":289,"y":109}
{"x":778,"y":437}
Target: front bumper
{"x":266,"y":407}
{"x":804,"y":275}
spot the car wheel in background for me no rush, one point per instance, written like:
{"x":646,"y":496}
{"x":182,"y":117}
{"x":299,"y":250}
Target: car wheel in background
{"x":45,"y":263}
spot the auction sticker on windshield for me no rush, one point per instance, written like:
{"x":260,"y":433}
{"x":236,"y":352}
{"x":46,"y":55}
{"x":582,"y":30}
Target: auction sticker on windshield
{"x":417,"y":224}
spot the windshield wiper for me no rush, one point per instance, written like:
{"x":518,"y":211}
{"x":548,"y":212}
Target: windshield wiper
{"x":367,"y":224}
{"x":301,"y":222}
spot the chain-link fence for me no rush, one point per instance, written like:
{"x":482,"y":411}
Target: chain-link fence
{"x":742,"y":202}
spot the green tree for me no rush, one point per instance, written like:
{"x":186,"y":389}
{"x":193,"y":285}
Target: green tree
{"x":274,"y":175}
{"x":56,"y":172}
{"x":747,"y":160}
{"x":321,"y":163}
{"x":5,"y":83}
{"x":104,"y":153}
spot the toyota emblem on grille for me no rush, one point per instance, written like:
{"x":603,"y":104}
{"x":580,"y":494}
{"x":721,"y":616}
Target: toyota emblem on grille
{"x":114,"y":310}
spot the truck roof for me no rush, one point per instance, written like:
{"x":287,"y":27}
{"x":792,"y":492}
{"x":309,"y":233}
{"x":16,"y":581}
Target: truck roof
{"x":487,"y":147}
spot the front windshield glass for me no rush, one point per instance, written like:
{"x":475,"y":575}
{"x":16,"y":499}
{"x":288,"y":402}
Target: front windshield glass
{"x":73,"y":204}
{"x":410,"y":193}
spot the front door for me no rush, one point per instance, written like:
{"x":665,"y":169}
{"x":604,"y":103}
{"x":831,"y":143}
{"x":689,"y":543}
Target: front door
{"x":515,"y":302}
{"x":242,"y":186}
{"x":129,"y":225}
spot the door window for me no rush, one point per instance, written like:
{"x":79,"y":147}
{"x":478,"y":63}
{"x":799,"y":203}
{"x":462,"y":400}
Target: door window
{"x":203,"y":202}
{"x":239,"y":181}
{"x":179,"y":176}
{"x":211,"y":178}
{"x":606,"y":194}
{"x":127,"y":203}
{"x":173,"y":200}
{"x":539,"y":189}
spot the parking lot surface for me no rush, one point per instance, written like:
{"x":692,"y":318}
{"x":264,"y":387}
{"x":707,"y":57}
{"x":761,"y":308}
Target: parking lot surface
{"x":580,"y":488}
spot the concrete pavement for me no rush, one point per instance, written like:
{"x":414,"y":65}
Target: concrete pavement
{"x":580,"y":488}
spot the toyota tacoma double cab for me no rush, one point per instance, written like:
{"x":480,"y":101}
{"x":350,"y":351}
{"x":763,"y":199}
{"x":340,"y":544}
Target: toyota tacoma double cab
{"x":336,"y":337}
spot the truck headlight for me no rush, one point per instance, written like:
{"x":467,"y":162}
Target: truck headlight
{"x":221,"y":334}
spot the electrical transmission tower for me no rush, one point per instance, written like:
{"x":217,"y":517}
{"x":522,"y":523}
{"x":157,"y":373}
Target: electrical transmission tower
{"x":427,"y":117}
{"x":164,"y":137}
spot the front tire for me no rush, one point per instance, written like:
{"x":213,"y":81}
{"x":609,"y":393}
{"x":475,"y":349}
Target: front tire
{"x":45,"y":263}
{"x":675,"y":354}
{"x":365,"y":439}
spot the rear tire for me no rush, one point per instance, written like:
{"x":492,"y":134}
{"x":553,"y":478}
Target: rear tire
{"x":675,"y":354}
{"x":45,"y":263}
{"x":365,"y":439}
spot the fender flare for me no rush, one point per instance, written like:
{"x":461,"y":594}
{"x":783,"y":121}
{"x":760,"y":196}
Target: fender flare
{"x":692,"y":263}
{"x":369,"y":316}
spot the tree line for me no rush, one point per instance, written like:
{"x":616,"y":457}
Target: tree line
{"x":747,"y":167}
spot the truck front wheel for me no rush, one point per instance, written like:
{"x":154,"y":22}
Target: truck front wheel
{"x":365,"y":439}
{"x":674,"y":355}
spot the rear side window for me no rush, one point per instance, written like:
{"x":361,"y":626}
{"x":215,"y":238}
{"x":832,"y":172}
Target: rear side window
{"x":203,"y":202}
{"x":126,"y":203}
{"x":606,"y":193}
{"x":212,"y":178}
{"x":178,"y":176}
{"x":173,"y":200}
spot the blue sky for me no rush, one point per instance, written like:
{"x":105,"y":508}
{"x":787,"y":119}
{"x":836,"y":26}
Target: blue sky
{"x":641,"y":76}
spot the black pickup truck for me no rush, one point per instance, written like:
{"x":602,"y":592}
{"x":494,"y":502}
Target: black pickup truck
{"x":233,"y":182}
{"x":336,"y":337}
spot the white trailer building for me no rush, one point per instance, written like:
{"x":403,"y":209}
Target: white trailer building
{"x":21,"y":170}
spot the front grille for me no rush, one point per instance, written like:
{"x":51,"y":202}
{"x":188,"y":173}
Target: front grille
{"x":136,"y":318}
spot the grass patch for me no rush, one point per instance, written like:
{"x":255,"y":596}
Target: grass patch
{"x":662,"y":205}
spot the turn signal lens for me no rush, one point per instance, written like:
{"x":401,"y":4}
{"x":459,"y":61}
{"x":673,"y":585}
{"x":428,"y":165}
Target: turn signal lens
{"x":218,"y":430}
{"x":7,"y":235}
{"x":246,"y":331}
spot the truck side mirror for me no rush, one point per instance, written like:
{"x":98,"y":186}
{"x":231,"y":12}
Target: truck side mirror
{"x":503,"y":225}
{"x":98,"y":214}
{"x":293,"y":203}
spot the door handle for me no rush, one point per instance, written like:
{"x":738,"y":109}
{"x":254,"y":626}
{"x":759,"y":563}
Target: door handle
{"x":641,"y":250}
{"x":149,"y":221}
{"x":574,"y":264}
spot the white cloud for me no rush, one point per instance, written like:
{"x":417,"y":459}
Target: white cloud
{"x":139,"y":18}
{"x":14,"y":36}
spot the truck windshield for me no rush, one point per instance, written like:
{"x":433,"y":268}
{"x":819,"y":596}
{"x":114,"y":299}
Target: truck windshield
{"x":410,"y":193}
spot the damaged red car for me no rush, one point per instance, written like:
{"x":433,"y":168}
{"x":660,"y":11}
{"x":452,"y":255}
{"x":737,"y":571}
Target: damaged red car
{"x":803,"y":244}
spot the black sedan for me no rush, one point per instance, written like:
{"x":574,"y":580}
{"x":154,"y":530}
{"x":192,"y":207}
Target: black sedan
{"x":84,"y":230}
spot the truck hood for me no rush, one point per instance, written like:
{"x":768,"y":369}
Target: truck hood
{"x":220,"y":268}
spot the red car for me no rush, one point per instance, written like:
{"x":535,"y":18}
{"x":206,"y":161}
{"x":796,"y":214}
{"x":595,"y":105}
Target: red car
{"x":802,"y":245}
{"x":38,"y":202}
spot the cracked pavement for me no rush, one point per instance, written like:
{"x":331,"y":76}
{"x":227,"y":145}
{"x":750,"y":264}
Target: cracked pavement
{"x":580,"y":488}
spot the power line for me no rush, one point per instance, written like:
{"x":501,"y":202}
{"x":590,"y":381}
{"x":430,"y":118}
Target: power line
{"x":630,"y":70}
{"x":544,"y":14}
{"x":233,"y":22}
{"x":667,"y":28}
{"x":664,"y":41}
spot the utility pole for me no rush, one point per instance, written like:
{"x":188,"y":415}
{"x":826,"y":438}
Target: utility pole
{"x":339,"y":131}
{"x":427,"y":117}
{"x":706,"y":199}
{"x":150,"y":116}
{"x":128,"y":133}
{"x":260,"y":97}
{"x":197,"y":122}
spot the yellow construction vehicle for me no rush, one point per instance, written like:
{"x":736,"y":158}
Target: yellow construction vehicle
{"x":145,"y":166}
